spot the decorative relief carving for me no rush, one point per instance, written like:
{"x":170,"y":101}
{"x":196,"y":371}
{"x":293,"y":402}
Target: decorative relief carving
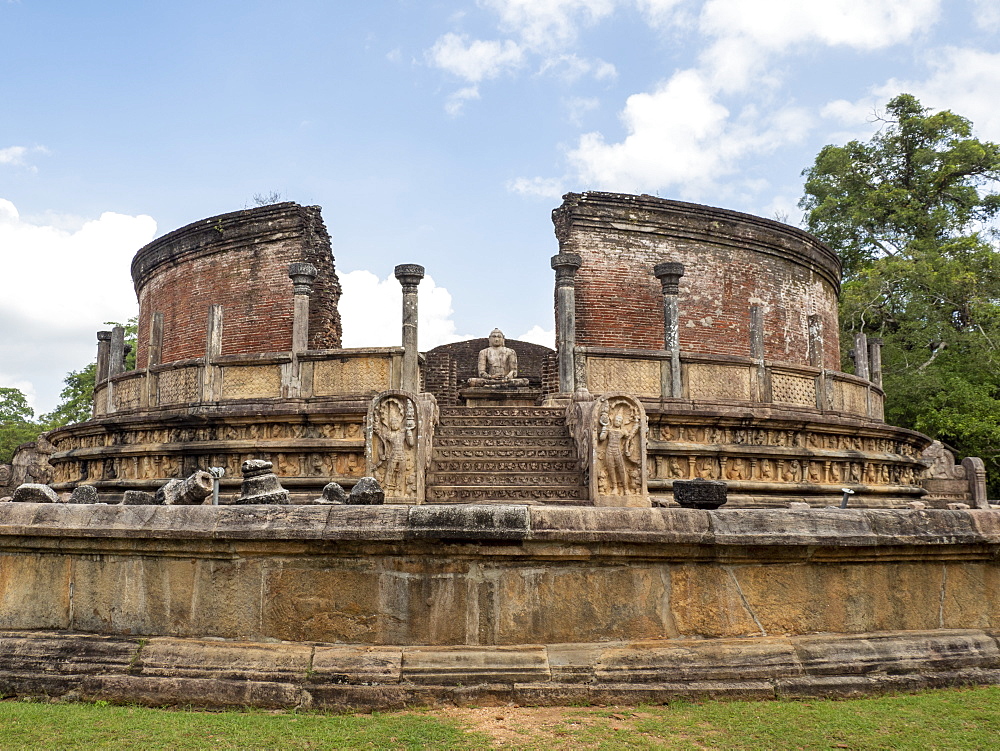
{"x":355,"y":375}
{"x":608,"y":374}
{"x":128,"y":393}
{"x":718,"y":382}
{"x":251,"y":381}
{"x":398,"y":437}
{"x":790,"y":389}
{"x":178,"y":386}
{"x":851,"y":398}
{"x":610,"y":434}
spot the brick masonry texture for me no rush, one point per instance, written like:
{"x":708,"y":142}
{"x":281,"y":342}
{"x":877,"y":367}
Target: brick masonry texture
{"x":240,"y":261}
{"x":731,"y":260}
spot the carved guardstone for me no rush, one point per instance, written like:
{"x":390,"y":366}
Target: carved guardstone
{"x":610,"y":434}
{"x":399,"y":432}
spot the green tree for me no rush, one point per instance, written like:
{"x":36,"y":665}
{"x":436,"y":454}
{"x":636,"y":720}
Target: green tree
{"x":17,"y":424}
{"x":909,"y":213}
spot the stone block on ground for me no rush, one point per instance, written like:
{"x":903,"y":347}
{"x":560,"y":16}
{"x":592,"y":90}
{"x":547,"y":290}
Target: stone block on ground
{"x":33,"y":492}
{"x":190,"y":491}
{"x":138,"y":498}
{"x":260,"y":484}
{"x":332,"y":494}
{"x":701,"y":494}
{"x":83,"y":494}
{"x":367,"y":492}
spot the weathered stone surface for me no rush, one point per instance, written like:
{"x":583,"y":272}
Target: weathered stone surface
{"x":32,"y":492}
{"x":366,"y":492}
{"x":138,"y":498}
{"x":187,"y":492}
{"x":260,"y":484}
{"x":700,"y":494}
{"x":84,"y":494}
{"x":493,"y":522}
{"x":333,"y":493}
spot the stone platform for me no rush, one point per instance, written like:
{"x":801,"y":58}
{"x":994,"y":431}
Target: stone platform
{"x":393,"y":605}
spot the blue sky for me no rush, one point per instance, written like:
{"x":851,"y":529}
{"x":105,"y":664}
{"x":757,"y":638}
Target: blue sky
{"x":440,"y":133}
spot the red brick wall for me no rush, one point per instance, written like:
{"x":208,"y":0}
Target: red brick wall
{"x":731,"y":261}
{"x":240,"y":261}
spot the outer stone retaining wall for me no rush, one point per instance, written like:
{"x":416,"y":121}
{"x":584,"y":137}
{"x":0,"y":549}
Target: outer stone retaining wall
{"x":598,"y":599}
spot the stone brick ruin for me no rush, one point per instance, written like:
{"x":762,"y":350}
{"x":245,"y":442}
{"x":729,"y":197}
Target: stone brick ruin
{"x":256,"y":515}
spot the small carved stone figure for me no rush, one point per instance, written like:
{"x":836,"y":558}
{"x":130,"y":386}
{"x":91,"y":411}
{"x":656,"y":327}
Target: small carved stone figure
{"x":497,"y":364}
{"x":617,"y":436}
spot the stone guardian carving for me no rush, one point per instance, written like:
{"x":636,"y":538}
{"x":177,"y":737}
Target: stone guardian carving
{"x":398,"y":435}
{"x":610,"y":434}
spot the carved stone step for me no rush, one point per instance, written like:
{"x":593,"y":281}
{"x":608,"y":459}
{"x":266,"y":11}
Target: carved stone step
{"x":491,"y":412}
{"x":503,"y":444}
{"x":512,"y":421}
{"x":505,"y":479}
{"x":506,"y":431}
{"x":465,"y":494}
{"x":518,"y":466}
{"x":522,"y":453}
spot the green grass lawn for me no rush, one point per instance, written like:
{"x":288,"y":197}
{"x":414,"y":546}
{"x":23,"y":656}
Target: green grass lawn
{"x":952,"y":719}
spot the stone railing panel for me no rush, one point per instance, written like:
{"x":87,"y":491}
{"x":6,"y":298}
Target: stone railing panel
{"x":251,"y":381}
{"x":718,"y":381}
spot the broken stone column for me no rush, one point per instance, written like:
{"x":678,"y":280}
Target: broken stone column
{"x":260,"y":484}
{"x":303,"y":276}
{"x":190,"y":491}
{"x":860,"y":355}
{"x":116,"y":357}
{"x":211,"y":386}
{"x":138,"y":498}
{"x":565,"y":266}
{"x":669,"y":273}
{"x":103,"y":355}
{"x":333,"y":494}
{"x":875,"y":360}
{"x":761,"y":390}
{"x":409,"y":276}
{"x":366,"y":492}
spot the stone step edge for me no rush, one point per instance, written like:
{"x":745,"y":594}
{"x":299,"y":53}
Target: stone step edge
{"x":157,"y":670}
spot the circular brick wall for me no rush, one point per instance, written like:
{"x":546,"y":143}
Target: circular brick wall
{"x":240,"y":261}
{"x":731,"y":260}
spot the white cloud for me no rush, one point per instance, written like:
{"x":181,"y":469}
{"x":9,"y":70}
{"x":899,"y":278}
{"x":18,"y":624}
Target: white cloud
{"x":62,"y":283}
{"x":681,"y":135}
{"x":475,"y":60}
{"x":16,"y":156}
{"x":549,"y":24}
{"x":537,"y":187}
{"x":371,"y":312}
{"x":456,"y":100}
{"x":537,"y":335}
{"x":987,"y":14}
{"x":577,"y":107}
{"x":571,"y":68}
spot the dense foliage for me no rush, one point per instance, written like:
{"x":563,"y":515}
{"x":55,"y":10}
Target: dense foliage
{"x":910,"y":214}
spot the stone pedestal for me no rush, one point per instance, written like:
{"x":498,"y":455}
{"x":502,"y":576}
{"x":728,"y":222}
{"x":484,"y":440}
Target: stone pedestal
{"x":502,"y":395}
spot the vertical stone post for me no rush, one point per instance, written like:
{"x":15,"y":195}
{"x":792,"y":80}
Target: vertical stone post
{"x":875,"y":360}
{"x":116,"y":359}
{"x":212,"y":380}
{"x":153,"y":358}
{"x":103,"y":355}
{"x":761,"y":393}
{"x":669,"y":273}
{"x":303,"y":275}
{"x":409,"y":276}
{"x":861,"y":356}
{"x":816,"y":360}
{"x":565,"y":266}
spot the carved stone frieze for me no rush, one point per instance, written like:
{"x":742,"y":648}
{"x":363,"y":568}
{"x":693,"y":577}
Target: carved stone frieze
{"x":352,"y":376}
{"x":610,"y":434}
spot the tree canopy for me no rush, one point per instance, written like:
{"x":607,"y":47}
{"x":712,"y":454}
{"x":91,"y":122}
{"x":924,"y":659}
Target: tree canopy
{"x":909,"y":212}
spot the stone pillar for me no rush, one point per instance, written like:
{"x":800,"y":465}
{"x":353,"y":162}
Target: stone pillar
{"x":103,"y":355}
{"x":761,"y":393}
{"x":212,"y":383}
{"x":875,"y":360}
{"x":155,"y":356}
{"x":669,"y":273}
{"x":861,"y":356}
{"x":409,"y":276}
{"x":565,"y":266}
{"x":303,"y":275}
{"x":116,"y":358}
{"x":823,"y":401}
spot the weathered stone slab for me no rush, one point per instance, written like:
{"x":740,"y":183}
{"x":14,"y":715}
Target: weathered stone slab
{"x":356,"y":665}
{"x":468,"y":522}
{"x":469,"y":665}
{"x":33,"y":492}
{"x":223,"y":660}
{"x":84,"y":494}
{"x":619,"y":524}
{"x":138,"y":498}
{"x":791,"y":527}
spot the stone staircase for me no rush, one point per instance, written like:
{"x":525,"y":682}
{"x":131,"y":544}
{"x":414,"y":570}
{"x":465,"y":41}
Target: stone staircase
{"x":504,"y":455}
